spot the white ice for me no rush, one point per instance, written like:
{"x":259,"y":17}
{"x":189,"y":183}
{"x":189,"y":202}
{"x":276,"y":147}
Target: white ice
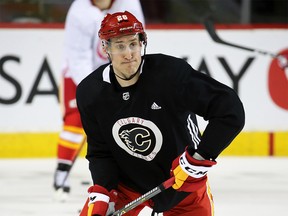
{"x":242,"y":186}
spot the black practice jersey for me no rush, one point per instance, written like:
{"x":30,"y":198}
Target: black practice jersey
{"x":134,"y":133}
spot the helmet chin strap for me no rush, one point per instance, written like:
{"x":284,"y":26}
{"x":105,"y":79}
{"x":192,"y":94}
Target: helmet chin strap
{"x":131,"y":77}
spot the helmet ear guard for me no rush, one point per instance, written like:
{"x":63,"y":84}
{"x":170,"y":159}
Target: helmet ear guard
{"x":143,"y":38}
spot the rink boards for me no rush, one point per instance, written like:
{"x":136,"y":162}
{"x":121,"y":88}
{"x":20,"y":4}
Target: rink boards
{"x":32,"y":145}
{"x":30,"y":114}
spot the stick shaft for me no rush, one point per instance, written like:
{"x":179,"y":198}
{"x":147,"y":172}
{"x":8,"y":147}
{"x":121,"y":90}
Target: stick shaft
{"x":137,"y":201}
{"x":168,"y":183}
{"x":212,"y":32}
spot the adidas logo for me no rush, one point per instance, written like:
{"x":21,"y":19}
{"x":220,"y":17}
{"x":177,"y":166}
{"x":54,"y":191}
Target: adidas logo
{"x":154,"y":106}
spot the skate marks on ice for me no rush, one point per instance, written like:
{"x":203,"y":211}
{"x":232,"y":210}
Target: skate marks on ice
{"x":240,"y":185}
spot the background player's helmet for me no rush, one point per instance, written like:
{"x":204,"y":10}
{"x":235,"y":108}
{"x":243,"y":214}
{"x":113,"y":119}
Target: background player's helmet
{"x":120,"y":24}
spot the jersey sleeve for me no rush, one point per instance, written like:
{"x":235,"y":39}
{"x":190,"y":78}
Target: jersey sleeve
{"x":216,"y":103}
{"x":79,"y":33}
{"x":102,"y":166}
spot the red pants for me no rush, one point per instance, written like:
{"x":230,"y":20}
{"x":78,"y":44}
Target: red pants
{"x":72,"y":135}
{"x":199,"y":203}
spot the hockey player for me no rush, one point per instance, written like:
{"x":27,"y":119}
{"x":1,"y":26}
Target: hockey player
{"x":139,"y":115}
{"x":83,"y":53}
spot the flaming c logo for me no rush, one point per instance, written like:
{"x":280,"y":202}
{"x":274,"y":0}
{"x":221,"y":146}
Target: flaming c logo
{"x":278,"y":81}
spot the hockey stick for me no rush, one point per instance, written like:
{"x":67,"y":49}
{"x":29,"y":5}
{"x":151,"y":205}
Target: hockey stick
{"x":133,"y":204}
{"x":165,"y":185}
{"x":212,"y":32}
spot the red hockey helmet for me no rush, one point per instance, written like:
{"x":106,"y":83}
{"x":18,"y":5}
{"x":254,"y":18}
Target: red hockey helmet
{"x":120,"y":24}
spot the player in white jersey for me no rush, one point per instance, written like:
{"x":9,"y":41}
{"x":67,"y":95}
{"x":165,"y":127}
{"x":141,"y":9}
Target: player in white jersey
{"x":83,"y":53}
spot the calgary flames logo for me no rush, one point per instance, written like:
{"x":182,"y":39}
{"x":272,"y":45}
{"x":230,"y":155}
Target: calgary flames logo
{"x":138,"y":137}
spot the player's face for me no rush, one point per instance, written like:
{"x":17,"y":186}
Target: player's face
{"x":125,"y":54}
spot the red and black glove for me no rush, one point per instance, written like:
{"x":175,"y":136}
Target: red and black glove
{"x":190,"y":173}
{"x":101,"y":202}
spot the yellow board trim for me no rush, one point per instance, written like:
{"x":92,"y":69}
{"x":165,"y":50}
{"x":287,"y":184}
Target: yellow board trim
{"x":281,"y":143}
{"x":44,"y":145}
{"x":249,"y":143}
{"x":30,"y":145}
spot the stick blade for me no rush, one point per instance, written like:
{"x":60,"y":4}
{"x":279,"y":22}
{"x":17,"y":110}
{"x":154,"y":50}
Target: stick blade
{"x":209,"y":25}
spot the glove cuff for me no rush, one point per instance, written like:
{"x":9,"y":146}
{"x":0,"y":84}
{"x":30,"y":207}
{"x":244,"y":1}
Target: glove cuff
{"x":98,"y":196}
{"x":192,"y":160}
{"x":194,"y":168}
{"x":98,"y":189}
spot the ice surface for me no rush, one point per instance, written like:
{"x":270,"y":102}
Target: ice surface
{"x":242,"y":186}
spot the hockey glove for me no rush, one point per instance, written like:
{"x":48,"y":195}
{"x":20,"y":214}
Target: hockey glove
{"x":99,"y":198}
{"x":190,"y":174}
